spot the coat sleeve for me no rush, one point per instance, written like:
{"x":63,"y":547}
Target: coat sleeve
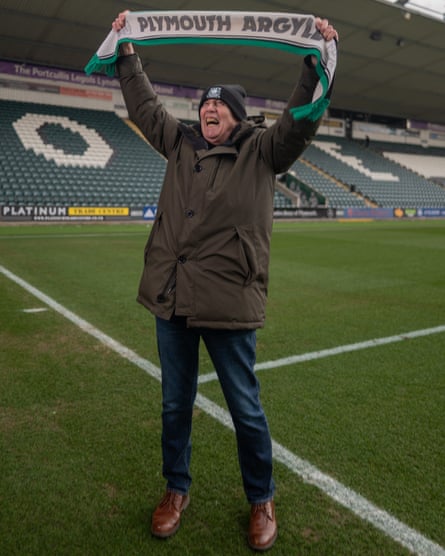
{"x":143,"y":105}
{"x":284,"y":142}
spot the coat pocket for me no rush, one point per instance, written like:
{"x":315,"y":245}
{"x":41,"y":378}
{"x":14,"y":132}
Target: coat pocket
{"x":248,"y":255}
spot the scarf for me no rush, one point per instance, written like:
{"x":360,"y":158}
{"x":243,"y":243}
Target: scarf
{"x":290,"y":32}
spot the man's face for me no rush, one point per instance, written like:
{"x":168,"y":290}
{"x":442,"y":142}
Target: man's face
{"x":217,"y":121}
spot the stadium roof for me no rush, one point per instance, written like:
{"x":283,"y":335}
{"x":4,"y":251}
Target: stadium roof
{"x":391,"y":58}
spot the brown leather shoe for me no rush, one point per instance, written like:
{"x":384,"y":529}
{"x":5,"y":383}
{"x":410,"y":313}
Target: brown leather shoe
{"x":263,"y":526}
{"x":166,"y":518}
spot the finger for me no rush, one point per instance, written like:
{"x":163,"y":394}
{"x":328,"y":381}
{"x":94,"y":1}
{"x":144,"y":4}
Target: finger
{"x":119,"y":22}
{"x":117,"y":25}
{"x":123,"y":16}
{"x":329,"y":33}
{"x":326,"y":30}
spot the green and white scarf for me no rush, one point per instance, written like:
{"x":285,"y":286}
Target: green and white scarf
{"x":291,"y":32}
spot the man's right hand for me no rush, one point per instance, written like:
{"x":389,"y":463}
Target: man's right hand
{"x":118,"y":24}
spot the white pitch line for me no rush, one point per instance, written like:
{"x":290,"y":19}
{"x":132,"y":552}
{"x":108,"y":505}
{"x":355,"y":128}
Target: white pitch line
{"x":128,"y":354}
{"x":382,"y":520}
{"x":291,"y":360}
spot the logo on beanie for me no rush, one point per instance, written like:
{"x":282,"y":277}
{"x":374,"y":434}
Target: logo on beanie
{"x":232,"y":95}
{"x":214,"y":92}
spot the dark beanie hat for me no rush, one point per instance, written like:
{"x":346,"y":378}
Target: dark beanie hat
{"x":233,"y":95}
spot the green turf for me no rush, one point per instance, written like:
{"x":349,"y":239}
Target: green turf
{"x":80,"y":462}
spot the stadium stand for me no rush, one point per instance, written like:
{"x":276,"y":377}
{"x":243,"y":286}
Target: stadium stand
{"x":63,"y":156}
{"x":336,"y":195}
{"x":377,"y":179}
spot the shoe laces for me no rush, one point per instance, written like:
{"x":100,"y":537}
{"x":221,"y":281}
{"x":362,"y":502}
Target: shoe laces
{"x":263,"y":508}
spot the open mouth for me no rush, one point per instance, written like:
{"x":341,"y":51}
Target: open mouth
{"x":212,"y":121}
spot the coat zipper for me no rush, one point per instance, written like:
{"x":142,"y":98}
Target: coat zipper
{"x":214,"y":173}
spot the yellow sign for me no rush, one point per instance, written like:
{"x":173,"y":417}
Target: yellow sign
{"x":98,"y":211}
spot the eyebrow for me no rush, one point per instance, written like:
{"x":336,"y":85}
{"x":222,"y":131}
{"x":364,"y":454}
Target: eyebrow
{"x":214,"y":100}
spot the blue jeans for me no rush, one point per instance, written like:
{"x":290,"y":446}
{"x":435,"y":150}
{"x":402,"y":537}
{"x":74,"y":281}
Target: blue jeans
{"x":233,"y":355}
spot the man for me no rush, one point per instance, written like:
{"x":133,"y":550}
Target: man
{"x":206,"y":268}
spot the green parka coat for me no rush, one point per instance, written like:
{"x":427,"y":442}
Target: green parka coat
{"x":207,"y":255}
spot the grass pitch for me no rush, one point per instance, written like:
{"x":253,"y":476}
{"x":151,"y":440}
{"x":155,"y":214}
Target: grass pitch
{"x":80,"y":462}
